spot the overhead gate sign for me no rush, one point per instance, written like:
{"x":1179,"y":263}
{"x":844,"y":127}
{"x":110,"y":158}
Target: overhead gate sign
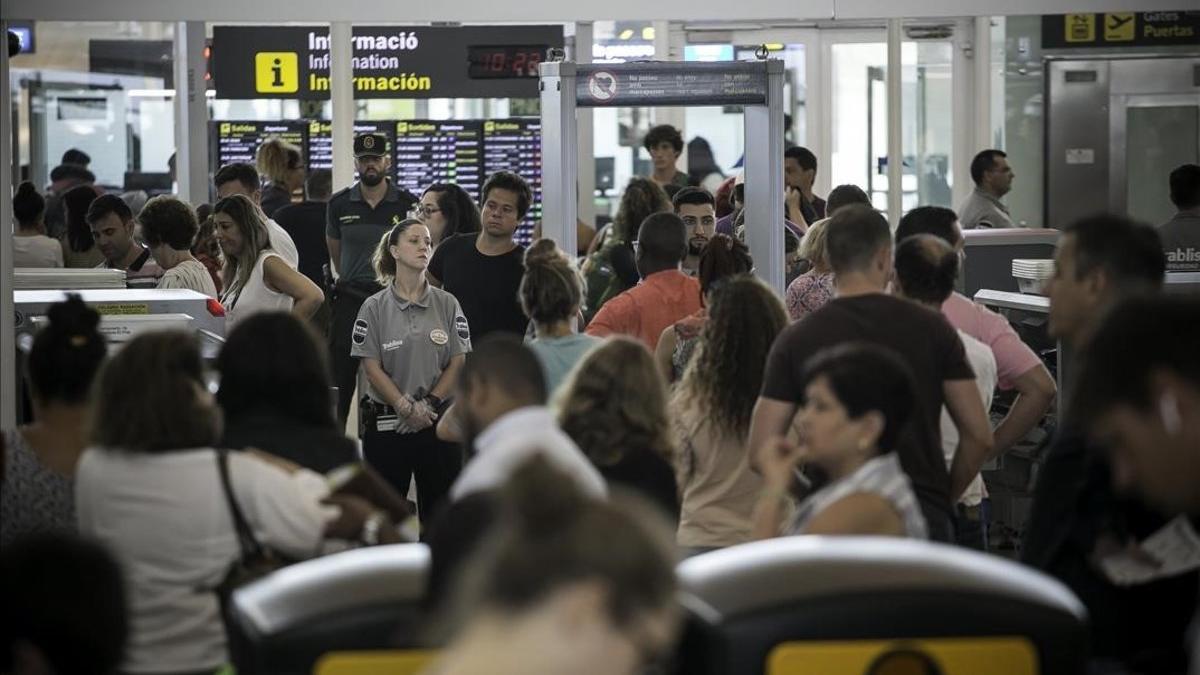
{"x":389,"y":61}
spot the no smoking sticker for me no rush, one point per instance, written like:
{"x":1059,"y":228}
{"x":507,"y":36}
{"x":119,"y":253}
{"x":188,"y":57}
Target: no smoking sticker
{"x":602,"y":85}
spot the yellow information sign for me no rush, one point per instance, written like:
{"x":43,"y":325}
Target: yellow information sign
{"x":1120,"y":27}
{"x":123,"y":308}
{"x":276,"y":72}
{"x":1080,"y":27}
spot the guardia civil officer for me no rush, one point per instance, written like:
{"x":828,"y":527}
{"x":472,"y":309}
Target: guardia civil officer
{"x":413,"y":339}
{"x":355,"y":220}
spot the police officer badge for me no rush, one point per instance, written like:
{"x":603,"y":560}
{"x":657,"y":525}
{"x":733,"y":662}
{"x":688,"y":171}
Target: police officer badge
{"x":360,"y":332}
{"x":460,"y":327}
{"x":438,"y":337}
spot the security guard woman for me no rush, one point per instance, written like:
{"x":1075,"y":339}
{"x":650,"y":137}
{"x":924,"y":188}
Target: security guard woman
{"x":412,"y":339}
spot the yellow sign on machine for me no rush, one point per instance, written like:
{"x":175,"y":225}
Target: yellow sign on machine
{"x":1080,"y":27}
{"x":944,"y":656}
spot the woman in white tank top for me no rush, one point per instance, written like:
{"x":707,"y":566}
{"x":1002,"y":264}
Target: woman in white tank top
{"x":255,"y":277}
{"x":859,"y":398}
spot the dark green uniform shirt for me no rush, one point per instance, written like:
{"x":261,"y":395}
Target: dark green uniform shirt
{"x":351,"y":220}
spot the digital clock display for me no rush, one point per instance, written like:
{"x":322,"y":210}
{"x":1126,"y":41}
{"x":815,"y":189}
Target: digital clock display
{"x":504,"y":61}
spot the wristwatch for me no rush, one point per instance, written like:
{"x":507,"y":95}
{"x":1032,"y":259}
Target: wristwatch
{"x":434,"y":401}
{"x":371,"y":526}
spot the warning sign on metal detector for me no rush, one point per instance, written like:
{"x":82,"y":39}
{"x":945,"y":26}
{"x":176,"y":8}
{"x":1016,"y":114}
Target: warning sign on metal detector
{"x":602,"y":86}
{"x":671,"y":83}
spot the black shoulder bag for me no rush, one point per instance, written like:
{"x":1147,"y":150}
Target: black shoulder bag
{"x":254,"y":561}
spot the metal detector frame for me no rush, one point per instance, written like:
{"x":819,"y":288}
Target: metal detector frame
{"x":561,"y":97}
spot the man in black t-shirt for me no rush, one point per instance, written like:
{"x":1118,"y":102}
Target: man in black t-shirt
{"x":859,"y":245}
{"x":305,"y":223}
{"x":484,"y":270}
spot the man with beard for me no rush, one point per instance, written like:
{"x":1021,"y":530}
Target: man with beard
{"x":483,"y":270}
{"x":356,"y":218}
{"x":501,"y":404}
{"x":698,"y":210}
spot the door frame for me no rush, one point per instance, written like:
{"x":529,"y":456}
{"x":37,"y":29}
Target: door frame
{"x":1118,"y":118}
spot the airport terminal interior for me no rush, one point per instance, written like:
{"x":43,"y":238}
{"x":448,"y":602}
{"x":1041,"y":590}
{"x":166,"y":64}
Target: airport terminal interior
{"x":827,"y":337}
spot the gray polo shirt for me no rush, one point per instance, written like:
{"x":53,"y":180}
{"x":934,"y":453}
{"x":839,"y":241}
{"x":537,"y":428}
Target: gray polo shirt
{"x":981,"y":209}
{"x":413,"y":341}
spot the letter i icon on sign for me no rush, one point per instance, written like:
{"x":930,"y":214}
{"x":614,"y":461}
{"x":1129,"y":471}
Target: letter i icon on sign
{"x":276,"y":72}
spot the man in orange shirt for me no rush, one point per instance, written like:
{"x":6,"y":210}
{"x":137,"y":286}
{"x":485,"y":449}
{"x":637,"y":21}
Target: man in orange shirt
{"x":665,"y":294}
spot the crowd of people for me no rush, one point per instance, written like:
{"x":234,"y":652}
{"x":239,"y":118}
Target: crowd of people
{"x":569,"y":427}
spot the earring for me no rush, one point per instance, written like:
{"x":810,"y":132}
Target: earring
{"x":1168,"y":412}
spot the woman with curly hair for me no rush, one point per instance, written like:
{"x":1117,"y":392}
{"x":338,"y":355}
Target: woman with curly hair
{"x":711,"y":409}
{"x":612,"y":270}
{"x":614,"y":407}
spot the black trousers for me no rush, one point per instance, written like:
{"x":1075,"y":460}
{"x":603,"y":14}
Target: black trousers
{"x":400,"y":457}
{"x":347,"y":300}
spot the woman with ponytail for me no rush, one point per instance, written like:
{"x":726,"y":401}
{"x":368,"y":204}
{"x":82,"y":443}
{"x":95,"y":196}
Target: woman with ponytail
{"x":722,"y":257}
{"x":40,"y":457}
{"x":551,"y":294}
{"x":564,"y":584}
{"x":412,"y":340}
{"x":283,"y":166}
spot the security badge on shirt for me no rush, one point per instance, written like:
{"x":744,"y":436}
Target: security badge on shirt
{"x":437,"y":336}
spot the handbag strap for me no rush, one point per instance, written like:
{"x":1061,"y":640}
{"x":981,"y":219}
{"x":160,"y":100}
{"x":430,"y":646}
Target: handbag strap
{"x":250,"y":548}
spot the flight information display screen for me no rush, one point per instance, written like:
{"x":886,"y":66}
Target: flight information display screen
{"x":439,"y":151}
{"x":423,"y":152}
{"x":239,"y":141}
{"x":516,"y":145}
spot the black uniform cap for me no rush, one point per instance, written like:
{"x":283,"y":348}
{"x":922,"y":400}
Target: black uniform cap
{"x":370,"y":145}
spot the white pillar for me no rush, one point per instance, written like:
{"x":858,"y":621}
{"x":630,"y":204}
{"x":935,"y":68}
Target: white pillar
{"x":341,"y":91}
{"x":584,"y":121}
{"x":8,"y":343}
{"x":895,"y":145}
{"x":191,"y":113}
{"x":983,"y":85}
{"x":964,"y":87}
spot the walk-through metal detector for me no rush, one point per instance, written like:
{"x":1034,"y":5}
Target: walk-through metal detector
{"x":757,"y":85}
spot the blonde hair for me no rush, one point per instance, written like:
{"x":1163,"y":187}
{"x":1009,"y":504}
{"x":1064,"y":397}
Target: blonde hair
{"x":614,"y":402}
{"x":382,"y":260}
{"x":812,"y":246}
{"x":252,"y":224}
{"x":276,"y":157}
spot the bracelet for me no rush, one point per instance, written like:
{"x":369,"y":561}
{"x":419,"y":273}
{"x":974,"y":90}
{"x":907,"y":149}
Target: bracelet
{"x":371,"y":526}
